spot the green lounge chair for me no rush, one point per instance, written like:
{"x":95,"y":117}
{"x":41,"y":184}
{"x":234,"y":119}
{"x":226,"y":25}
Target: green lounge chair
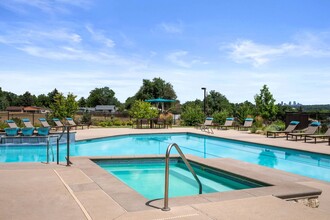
{"x":291,"y":127}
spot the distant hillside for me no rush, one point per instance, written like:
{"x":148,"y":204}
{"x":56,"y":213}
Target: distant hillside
{"x":313,"y":108}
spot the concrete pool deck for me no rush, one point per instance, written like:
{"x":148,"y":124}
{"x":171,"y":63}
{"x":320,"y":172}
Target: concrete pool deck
{"x":50,"y":191}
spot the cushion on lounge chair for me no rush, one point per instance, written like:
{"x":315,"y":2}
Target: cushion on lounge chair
{"x":27,"y":131}
{"x":229,"y":119}
{"x":249,"y":119}
{"x":11,"y":131}
{"x":209,"y":118}
{"x":43,"y":131}
{"x":315,"y":124}
{"x":294,"y":122}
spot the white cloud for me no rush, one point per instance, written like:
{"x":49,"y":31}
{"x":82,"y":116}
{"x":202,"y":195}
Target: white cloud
{"x":307,"y":44}
{"x":100,"y":37}
{"x":46,"y":6}
{"x":172,"y":28}
{"x":182,"y":59}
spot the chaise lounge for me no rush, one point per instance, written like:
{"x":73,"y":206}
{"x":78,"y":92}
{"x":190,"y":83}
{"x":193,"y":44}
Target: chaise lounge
{"x":291,"y":127}
{"x":310,"y":130}
{"x":322,"y":136}
{"x":228,"y":123}
{"x":247,"y":124}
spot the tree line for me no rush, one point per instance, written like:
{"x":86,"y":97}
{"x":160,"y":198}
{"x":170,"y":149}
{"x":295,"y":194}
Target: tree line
{"x":217,"y":105}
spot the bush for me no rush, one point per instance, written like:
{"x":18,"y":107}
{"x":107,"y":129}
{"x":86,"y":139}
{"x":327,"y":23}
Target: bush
{"x":276,"y":126}
{"x":220,"y":117}
{"x":192,"y":115}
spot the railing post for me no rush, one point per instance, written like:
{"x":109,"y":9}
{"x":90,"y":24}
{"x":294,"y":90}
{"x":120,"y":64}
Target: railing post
{"x":68,"y":146}
{"x":57,"y":150}
{"x":167,"y":172}
{"x":47,"y":141}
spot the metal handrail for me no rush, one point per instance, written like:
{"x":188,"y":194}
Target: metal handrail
{"x":167,"y":172}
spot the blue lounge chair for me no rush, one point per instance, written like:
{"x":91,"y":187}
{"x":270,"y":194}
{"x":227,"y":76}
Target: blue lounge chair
{"x":11,"y":131}
{"x":29,"y":129}
{"x":42,"y":131}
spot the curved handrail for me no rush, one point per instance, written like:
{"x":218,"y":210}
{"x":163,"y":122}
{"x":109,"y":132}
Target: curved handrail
{"x":167,"y":172}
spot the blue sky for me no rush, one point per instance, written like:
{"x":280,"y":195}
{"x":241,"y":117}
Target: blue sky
{"x":233,"y":47}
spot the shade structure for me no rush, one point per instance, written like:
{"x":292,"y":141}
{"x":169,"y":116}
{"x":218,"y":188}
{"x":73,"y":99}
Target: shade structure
{"x":160,"y":100}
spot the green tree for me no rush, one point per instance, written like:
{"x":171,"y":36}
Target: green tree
{"x":82,"y":102}
{"x":141,"y":110}
{"x":51,"y":96}
{"x":102,"y":96}
{"x":4,"y":103}
{"x":27,"y":99}
{"x":243,"y":110}
{"x":192,"y":114}
{"x":71,"y":105}
{"x":216,"y":102}
{"x":42,"y":100}
{"x":157,"y":88}
{"x":64,"y":106}
{"x":265,"y":104}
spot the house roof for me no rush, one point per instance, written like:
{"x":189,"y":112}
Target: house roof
{"x":14,"y":108}
{"x":105,"y":107}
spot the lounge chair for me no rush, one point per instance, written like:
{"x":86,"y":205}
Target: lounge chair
{"x":58,"y":123}
{"x":11,"y":131}
{"x":44,"y":123}
{"x":29,"y":128}
{"x":11,"y":123}
{"x":71,"y":122}
{"x":311,"y":129}
{"x":291,"y":127}
{"x":208,"y":124}
{"x":315,"y":136}
{"x":247,"y":124}
{"x":228,"y":123}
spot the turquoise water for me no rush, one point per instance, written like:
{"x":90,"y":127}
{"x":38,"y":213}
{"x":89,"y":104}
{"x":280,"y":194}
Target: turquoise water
{"x":303,"y":163}
{"x":141,"y":176}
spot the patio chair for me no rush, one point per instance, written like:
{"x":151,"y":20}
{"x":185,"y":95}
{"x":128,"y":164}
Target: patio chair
{"x":247,"y":124}
{"x":11,"y":124}
{"x":72,"y":123}
{"x":315,"y":136}
{"x":311,"y":129}
{"x":44,"y":123}
{"x":291,"y":127}
{"x":29,"y":128}
{"x":207,"y":125}
{"x":13,"y":128}
{"x":58,"y":123}
{"x":228,"y":123}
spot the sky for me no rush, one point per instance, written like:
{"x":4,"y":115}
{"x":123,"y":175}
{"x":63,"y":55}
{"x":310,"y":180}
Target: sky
{"x":233,"y":47}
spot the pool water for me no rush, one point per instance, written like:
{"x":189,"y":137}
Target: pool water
{"x":299,"y":162}
{"x":140,"y":175}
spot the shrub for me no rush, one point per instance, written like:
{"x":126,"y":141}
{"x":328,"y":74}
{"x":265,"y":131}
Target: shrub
{"x":220,"y":117}
{"x":276,"y":126}
{"x":192,"y":115}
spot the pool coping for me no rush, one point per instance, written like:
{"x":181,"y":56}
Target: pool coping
{"x":283,"y":185}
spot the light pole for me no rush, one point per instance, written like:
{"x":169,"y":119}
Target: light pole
{"x":203,"y":88}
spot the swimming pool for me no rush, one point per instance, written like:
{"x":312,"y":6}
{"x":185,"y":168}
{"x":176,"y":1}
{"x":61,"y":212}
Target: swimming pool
{"x":303,"y":163}
{"x":140,"y":175}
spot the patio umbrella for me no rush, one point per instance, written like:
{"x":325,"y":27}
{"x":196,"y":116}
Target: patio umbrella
{"x":160,"y":100}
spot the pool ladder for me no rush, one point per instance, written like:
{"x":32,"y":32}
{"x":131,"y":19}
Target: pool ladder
{"x":167,"y":172}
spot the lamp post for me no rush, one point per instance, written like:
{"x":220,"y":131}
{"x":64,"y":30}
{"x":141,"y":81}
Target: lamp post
{"x":203,"y":88}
